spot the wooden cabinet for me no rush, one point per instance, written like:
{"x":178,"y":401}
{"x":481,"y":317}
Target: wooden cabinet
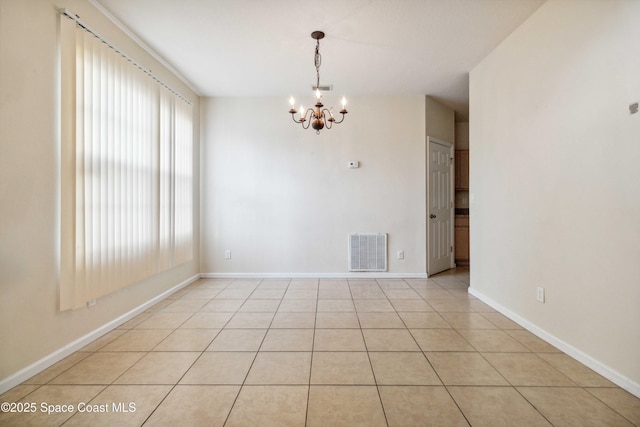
{"x":461,"y":224}
{"x":461,"y":232}
{"x":462,"y":169}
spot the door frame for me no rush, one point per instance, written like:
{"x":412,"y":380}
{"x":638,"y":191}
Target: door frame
{"x":449,"y":145}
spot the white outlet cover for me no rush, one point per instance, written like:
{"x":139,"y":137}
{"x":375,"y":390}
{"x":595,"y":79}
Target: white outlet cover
{"x":354,"y":164}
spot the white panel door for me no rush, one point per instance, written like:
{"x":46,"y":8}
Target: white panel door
{"x":439,"y":206}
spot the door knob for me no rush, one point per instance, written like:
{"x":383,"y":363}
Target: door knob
{"x":432,"y":216}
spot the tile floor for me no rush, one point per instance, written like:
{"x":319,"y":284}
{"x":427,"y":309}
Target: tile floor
{"x":322,"y":352}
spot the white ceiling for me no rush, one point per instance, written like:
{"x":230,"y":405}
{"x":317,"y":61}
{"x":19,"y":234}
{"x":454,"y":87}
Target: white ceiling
{"x":372,"y":47}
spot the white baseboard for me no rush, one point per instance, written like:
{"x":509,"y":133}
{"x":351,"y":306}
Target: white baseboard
{"x":604,"y":370}
{"x":349,"y":275}
{"x":47,"y":361}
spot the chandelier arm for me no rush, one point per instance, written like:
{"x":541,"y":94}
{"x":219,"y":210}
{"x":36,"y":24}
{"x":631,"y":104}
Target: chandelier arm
{"x":342,"y":119}
{"x":294,"y":118}
{"x":308,"y":110}
{"x":327,"y":122}
{"x":304,"y":118}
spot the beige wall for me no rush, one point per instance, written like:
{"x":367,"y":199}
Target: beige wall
{"x":440,"y":120}
{"x":462,"y":136}
{"x":283,"y":200}
{"x":556,"y":180}
{"x":30,"y":324}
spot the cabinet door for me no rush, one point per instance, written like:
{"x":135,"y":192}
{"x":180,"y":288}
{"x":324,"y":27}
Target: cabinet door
{"x":458,"y":171}
{"x":462,"y":169}
{"x":462,"y":243}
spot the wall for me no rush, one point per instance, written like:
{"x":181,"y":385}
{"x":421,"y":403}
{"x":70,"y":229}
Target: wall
{"x":556,"y":181}
{"x":462,"y":136}
{"x":440,"y":120}
{"x":283,"y":200}
{"x":30,"y":324}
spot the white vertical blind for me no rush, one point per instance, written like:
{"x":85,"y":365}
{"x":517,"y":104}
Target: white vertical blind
{"x":183,"y":175}
{"x":165,"y":208}
{"x":133,"y":186}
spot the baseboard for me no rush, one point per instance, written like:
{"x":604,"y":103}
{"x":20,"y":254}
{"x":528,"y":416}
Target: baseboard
{"x":599,"y":367}
{"x":349,"y":275}
{"x":47,"y":361}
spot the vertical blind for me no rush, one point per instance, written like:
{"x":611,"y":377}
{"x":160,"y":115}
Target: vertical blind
{"x":127,"y":209}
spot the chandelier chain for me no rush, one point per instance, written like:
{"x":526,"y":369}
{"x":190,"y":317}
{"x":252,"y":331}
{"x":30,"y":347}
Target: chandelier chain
{"x":318,"y":61}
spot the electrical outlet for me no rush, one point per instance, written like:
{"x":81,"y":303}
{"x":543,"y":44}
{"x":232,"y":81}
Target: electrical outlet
{"x":540,"y":295}
{"x":227,"y":254}
{"x":400,"y":254}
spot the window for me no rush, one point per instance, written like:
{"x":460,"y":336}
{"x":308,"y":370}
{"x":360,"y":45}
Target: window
{"x":126,"y":171}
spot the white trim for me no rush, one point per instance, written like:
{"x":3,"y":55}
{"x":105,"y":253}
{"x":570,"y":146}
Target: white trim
{"x":602,"y":369}
{"x":362,"y":275}
{"x":49,"y":360}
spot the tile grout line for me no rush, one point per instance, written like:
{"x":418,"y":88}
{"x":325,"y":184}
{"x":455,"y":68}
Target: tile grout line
{"x":260,"y":346}
{"x":375,"y":380}
{"x":531,"y":403}
{"x":476,"y":351}
{"x":190,"y":366}
{"x":148,"y":352}
{"x":433,"y":368}
{"x":313,"y":345}
{"x":605,"y":403}
{"x":514,"y":387}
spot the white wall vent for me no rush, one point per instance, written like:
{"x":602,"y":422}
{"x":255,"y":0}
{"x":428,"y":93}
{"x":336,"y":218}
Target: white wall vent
{"x":367,"y":252}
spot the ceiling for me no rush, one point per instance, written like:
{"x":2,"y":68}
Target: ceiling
{"x":372,"y":47}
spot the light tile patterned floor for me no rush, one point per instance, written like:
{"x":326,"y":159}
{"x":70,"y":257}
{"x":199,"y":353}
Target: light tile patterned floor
{"x":322,"y":352}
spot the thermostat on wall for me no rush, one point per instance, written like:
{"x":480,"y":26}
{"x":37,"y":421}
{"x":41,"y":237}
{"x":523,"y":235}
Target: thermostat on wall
{"x":354,"y":164}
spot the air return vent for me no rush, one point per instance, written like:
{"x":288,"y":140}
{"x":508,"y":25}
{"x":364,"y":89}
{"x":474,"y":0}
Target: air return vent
{"x":367,"y":252}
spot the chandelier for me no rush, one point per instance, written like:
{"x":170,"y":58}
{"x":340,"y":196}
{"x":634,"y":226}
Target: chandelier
{"x":319,"y":116}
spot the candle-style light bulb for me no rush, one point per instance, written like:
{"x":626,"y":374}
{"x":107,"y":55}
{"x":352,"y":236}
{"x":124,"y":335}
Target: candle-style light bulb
{"x":291,"y":101}
{"x":344,"y":102}
{"x":301,"y":111}
{"x":318,"y":95}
